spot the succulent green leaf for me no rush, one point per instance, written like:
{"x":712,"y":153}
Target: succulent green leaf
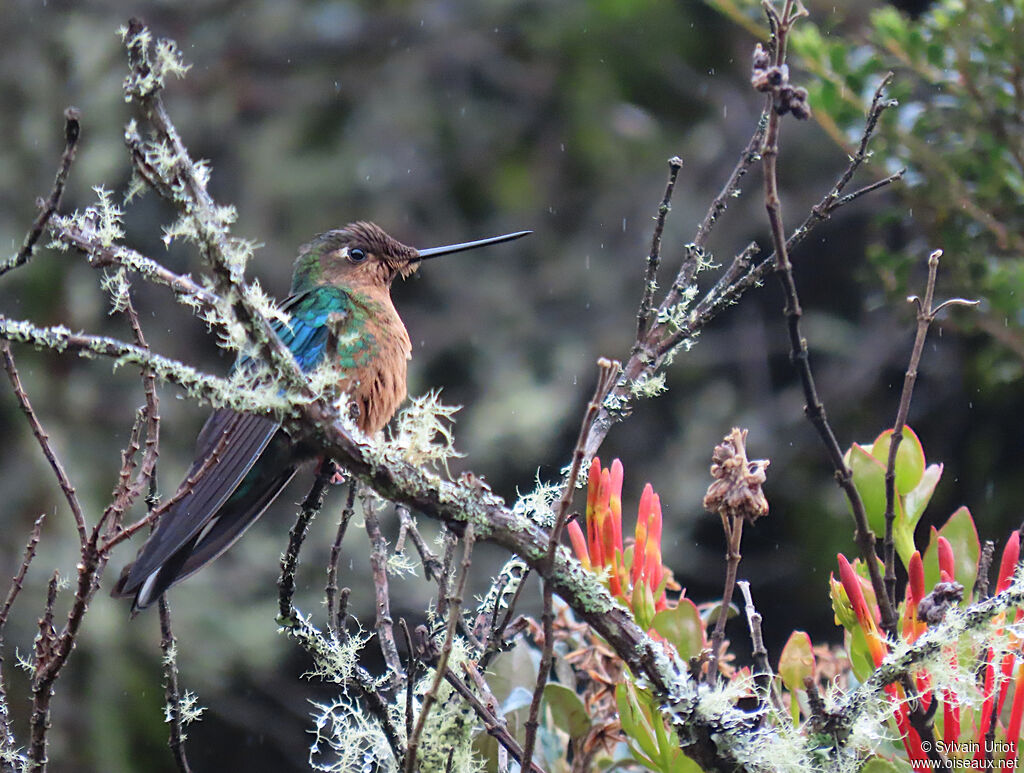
{"x":682,"y":627}
{"x":567,"y":709}
{"x":917,"y":500}
{"x":963,"y":538}
{"x":909,"y":458}
{"x":797,"y":661}
{"x":636,"y":722}
{"x":860,"y":655}
{"x":869,"y":479}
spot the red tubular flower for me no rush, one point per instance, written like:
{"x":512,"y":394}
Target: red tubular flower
{"x":946,"y":561}
{"x":652,"y":563}
{"x":1011,"y":554}
{"x":579,"y":543}
{"x":912,"y":627}
{"x":851,"y":584}
{"x":593,"y":525}
{"x":615,"y":505}
{"x":642,"y":528}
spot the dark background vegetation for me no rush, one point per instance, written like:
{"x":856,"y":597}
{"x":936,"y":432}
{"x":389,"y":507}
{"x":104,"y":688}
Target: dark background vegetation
{"x":443,"y":121}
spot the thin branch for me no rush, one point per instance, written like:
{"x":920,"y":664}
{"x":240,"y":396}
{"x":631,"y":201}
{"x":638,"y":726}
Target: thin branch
{"x":763,"y":673}
{"x":72,"y":133}
{"x":982,"y":588}
{"x":172,"y":690}
{"x":733,"y":528}
{"x":411,"y":674}
{"x":42,"y":686}
{"x":17,"y":583}
{"x":60,"y":339}
{"x":798,"y":345}
{"x":454,"y":613}
{"x":100,"y":255}
{"x":431,"y":563}
{"x":155,"y":513}
{"x":335,"y":615}
{"x":385,"y":625}
{"x":643,"y":316}
{"x":43,"y":439}
{"x":494,"y":725}
{"x":311,"y":505}
{"x":185,"y":187}
{"x":607,"y":370}
{"x":925,"y":316}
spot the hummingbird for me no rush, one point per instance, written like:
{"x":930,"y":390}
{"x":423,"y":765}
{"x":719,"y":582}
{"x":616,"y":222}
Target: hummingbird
{"x":339,"y":309}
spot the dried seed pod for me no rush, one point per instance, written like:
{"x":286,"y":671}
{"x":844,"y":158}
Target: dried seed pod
{"x":736,"y":488}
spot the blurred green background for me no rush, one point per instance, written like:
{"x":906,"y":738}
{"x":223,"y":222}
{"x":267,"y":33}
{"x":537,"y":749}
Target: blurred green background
{"x":444,"y":121}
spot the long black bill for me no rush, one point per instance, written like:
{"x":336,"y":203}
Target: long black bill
{"x":435,"y":252}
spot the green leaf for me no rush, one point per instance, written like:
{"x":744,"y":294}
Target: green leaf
{"x":635,"y":722}
{"x":962,"y":535}
{"x":860,"y":656}
{"x":567,"y":709}
{"x":797,"y":661}
{"x":909,"y":459}
{"x":681,"y":627}
{"x":917,"y":500}
{"x":869,"y":479}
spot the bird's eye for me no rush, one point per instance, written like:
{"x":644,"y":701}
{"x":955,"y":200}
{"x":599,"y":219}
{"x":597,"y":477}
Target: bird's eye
{"x":356,"y":255}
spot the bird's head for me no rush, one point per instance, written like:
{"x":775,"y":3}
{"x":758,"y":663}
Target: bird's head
{"x":360,"y":254}
{"x":363,"y":255}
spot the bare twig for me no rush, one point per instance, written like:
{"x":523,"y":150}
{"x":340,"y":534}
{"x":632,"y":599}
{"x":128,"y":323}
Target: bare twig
{"x":385,"y":625}
{"x":607,"y":370}
{"x":763,"y":674}
{"x":72,"y":133}
{"x":290,"y":560}
{"x":733,"y":528}
{"x":487,"y":710}
{"x":172,"y":690}
{"x":335,"y":615}
{"x":982,"y":589}
{"x":42,"y":687}
{"x":798,"y":345}
{"x":154,"y":514}
{"x":431,"y":563}
{"x":411,"y":673}
{"x":643,"y":316}
{"x":454,"y":613}
{"x":44,"y":440}
{"x":16,"y":586}
{"x":925,"y":316}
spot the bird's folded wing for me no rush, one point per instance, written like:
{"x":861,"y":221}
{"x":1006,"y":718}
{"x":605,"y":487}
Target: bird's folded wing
{"x":228,"y":446}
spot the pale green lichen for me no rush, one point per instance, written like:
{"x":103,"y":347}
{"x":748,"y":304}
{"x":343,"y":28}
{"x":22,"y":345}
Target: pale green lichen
{"x":538,"y":505}
{"x":157,"y":62}
{"x":448,"y":732}
{"x":401,"y":564}
{"x":188,"y":710}
{"x":648,"y":386}
{"x":348,"y":739}
{"x":115,"y":283}
{"x":422,"y":434}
